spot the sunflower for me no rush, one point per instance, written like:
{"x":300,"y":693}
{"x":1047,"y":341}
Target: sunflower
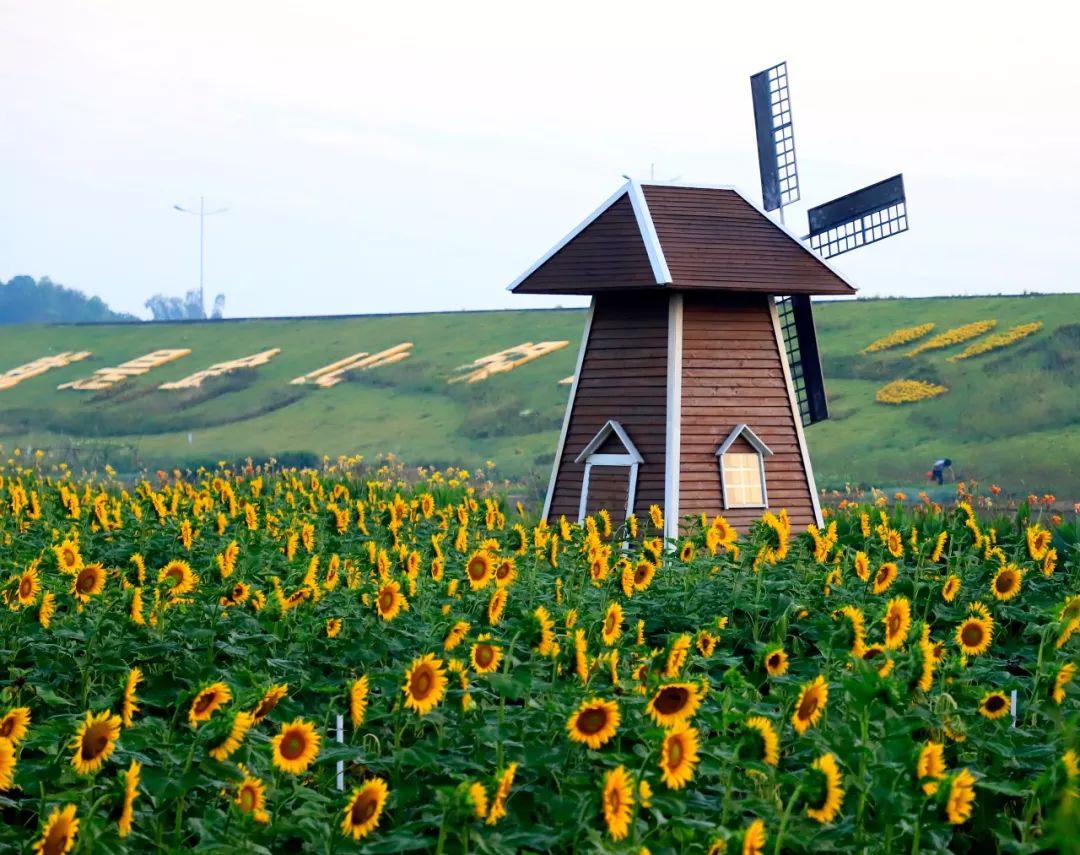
{"x":655,"y":547}
{"x":207,"y":702}
{"x":88,"y":582}
{"x":776,"y":662}
{"x":1006,"y":583}
{"x":894,"y":542}
{"x":1064,"y":676}
{"x":677,"y":656}
{"x":931,"y":764}
{"x":547,"y":631}
{"x":58,"y":835}
{"x":502,"y":793}
{"x":862,"y":566}
{"x":179,"y":578}
{"x":269,"y":700}
{"x":884,"y":577}
{"x":479,"y":568}
{"x":484,"y":655}
{"x":613,"y":622}
{"x":129,"y":706}
{"x":874,"y":652}
{"x":1038,"y":541}
{"x":14,"y":724}
{"x":251,"y":797}
{"x":29,"y":586}
{"x":47,"y":610}
{"x":812,"y":699}
{"x":928,"y":654}
{"x":686,"y":551}
{"x":994,"y":705}
{"x":644,"y":572}
{"x":242,"y":723}
{"x":618,"y":802}
{"x":705,"y":642}
{"x":961,"y":797}
{"x":975,"y":634}
{"x":858,"y":627}
{"x":754,"y":839}
{"x":594,"y":722}
{"x":770,"y":741}
{"x":365,"y":808}
{"x":950,"y":588}
{"x":834,"y":794}
{"x":478,"y":798}
{"x":897,"y":622}
{"x":425,"y":684}
{"x":390,"y":601}
{"x":456,"y":635}
{"x":131,"y":790}
{"x":674,"y":703}
{"x":68,"y":557}
{"x":679,"y":756}
{"x":656,"y":516}
{"x":333,"y":627}
{"x":95,"y":742}
{"x":505,"y":572}
{"x":295,"y":747}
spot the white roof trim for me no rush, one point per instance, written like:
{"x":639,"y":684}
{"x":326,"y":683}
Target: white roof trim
{"x":645,"y":227}
{"x":648,"y":234}
{"x":598,"y":440}
{"x":805,"y":246}
{"x":742,"y":429}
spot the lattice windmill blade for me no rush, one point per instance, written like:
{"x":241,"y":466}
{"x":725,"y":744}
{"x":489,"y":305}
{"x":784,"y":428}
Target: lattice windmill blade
{"x":860,"y":218}
{"x":775,"y":138}
{"x":804,"y":359}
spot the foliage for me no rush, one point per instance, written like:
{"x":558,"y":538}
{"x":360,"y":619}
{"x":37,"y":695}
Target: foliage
{"x":898,"y":337}
{"x":187,"y":308}
{"x":907,"y":391}
{"x":220,"y":588}
{"x":24,"y":301}
{"x":957,"y":335}
{"x":999,"y":340}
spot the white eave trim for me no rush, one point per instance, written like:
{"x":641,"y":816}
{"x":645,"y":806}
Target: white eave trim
{"x":645,"y":227}
{"x":589,"y":455}
{"x":743,"y":429}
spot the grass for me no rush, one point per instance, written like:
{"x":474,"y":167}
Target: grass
{"x":1010,"y":416}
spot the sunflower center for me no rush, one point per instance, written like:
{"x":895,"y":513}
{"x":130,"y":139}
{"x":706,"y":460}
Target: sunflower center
{"x":238,"y":592}
{"x":265,"y":707}
{"x":484,"y":655}
{"x":176,"y":575}
{"x":85,"y":583}
{"x":25,"y":587}
{"x":204,"y":702}
{"x":593,"y":720}
{"x":882,"y":575}
{"x":247,"y":799}
{"x":420,"y":684}
{"x":68,"y":558}
{"x":671,"y":700}
{"x":56,"y":840}
{"x":6,"y":726}
{"x":503,"y":571}
{"x":609,"y":624}
{"x":614,"y":800}
{"x":995,"y":703}
{"x":363,"y":809}
{"x":972,"y":634}
{"x":808,"y":706}
{"x":893,"y":626}
{"x":675,"y":754}
{"x":774,"y":661}
{"x":293,"y":745}
{"x":1005,"y":582}
{"x":94,"y":743}
{"x":640,"y":574}
{"x":477,"y":569}
{"x":386,"y":600}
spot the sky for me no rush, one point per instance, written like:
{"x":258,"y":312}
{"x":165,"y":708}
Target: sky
{"x":393,"y":157}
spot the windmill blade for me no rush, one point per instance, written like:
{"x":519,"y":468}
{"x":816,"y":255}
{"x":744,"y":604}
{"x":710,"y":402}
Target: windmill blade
{"x":775,"y":137}
{"x":804,"y":360}
{"x":865,"y":216}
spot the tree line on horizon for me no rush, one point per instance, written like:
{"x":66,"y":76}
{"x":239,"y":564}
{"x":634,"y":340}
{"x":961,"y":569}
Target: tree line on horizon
{"x":24,"y":300}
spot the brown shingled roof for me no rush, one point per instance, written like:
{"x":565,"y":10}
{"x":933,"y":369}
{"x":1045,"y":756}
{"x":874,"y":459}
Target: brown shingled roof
{"x":673,"y":236}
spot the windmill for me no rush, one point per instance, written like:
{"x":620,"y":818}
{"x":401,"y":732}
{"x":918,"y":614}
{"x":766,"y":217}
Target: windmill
{"x":841,"y":225}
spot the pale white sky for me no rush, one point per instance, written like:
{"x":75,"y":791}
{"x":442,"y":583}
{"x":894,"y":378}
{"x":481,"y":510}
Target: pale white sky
{"x":400,"y":157}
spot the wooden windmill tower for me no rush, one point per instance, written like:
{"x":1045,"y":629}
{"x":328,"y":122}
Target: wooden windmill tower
{"x":699,"y":364}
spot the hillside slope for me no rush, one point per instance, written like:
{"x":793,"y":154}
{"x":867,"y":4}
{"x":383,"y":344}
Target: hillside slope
{"x":1010,"y":416}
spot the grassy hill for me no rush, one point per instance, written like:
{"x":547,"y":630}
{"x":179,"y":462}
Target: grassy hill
{"x":1010,"y":416}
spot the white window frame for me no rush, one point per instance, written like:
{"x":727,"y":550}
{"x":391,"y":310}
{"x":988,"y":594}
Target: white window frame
{"x":762,"y":451}
{"x":631,"y":459}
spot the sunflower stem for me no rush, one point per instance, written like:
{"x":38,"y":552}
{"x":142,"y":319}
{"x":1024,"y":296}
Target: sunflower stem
{"x":784,"y":820}
{"x":915,"y":837}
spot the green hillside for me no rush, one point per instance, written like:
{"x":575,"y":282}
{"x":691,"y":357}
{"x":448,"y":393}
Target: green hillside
{"x":1011,"y":416}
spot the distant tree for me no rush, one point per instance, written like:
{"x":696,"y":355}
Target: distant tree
{"x":26,"y":301}
{"x":186,"y":308}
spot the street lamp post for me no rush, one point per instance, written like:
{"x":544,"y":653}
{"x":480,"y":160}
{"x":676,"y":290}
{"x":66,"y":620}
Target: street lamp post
{"x":202,"y":214}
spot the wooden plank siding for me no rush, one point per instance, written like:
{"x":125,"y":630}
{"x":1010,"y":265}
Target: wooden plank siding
{"x":732,"y":373}
{"x":607,"y":254}
{"x":623,"y":377}
{"x":608,"y":487}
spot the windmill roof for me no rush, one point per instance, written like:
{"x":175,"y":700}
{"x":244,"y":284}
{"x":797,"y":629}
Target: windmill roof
{"x":682,"y":237}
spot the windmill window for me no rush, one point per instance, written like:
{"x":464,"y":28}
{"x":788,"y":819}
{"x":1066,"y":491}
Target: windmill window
{"x":742,"y":469}
{"x":611,"y":468}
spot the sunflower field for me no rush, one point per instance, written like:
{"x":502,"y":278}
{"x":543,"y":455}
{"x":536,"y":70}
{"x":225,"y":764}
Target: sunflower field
{"x":351,"y":660}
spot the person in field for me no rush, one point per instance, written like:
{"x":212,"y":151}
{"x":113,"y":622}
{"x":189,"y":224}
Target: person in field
{"x":937,"y":472}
